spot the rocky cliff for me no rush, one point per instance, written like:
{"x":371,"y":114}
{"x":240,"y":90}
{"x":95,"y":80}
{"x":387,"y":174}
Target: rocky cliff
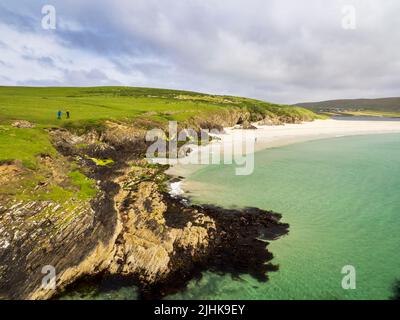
{"x":131,"y":227}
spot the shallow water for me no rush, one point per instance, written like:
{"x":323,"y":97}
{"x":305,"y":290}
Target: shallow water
{"x":340,"y":197}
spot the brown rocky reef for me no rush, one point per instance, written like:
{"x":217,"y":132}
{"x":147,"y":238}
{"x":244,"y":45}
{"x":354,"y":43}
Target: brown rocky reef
{"x":132,"y":228}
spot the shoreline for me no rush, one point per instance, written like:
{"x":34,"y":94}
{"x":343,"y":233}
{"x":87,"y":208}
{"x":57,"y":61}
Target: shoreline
{"x":220,"y":222}
{"x":276,"y":136}
{"x":158,"y":242}
{"x":133,"y":219}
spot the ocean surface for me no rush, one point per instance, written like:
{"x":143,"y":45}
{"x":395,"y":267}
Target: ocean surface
{"x":341,"y":199}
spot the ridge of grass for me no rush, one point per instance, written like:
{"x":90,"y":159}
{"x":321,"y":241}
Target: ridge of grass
{"x":24,"y":145}
{"x":86,"y":186}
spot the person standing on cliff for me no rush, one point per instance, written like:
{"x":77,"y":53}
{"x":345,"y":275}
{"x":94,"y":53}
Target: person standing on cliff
{"x":59,"y":114}
{"x":67,"y":114}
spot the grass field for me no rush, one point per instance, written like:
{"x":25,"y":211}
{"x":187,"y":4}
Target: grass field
{"x":23,"y":144}
{"x":40,"y":105}
{"x":91,"y":107}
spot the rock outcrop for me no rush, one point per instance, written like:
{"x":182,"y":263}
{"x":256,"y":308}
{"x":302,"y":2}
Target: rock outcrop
{"x":132,"y":228}
{"x":23,"y":124}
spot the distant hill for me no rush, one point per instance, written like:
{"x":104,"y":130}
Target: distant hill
{"x":382,"y":104}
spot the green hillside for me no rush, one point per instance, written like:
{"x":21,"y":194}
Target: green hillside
{"x":383,"y":106}
{"x":122,"y":103}
{"x":91,"y":107}
{"x":32,"y":169}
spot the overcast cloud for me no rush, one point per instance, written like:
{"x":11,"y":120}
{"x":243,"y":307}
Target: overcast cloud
{"x":283,"y":51}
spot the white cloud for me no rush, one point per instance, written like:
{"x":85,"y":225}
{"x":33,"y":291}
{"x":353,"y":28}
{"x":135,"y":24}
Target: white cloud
{"x":282,"y":51}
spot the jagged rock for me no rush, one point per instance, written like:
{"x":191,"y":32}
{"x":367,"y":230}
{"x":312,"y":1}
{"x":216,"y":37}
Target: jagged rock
{"x":10,"y":171}
{"x":270,"y":122}
{"x":247,"y":125}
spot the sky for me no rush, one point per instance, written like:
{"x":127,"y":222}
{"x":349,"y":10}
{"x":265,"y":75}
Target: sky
{"x":283,"y":51}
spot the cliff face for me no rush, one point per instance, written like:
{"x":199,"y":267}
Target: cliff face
{"x":164,"y":242}
{"x":130,"y":228}
{"x":39,"y":227}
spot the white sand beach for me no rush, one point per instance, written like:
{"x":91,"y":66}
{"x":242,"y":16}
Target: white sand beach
{"x":273,"y":136}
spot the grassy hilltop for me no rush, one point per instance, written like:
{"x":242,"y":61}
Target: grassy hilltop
{"x":94,"y":105}
{"x":91,"y":107}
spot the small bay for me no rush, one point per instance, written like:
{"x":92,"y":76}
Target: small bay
{"x":341,"y":199}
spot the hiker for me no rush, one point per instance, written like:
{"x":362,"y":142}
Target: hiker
{"x":67,"y":114}
{"x":59,"y":114}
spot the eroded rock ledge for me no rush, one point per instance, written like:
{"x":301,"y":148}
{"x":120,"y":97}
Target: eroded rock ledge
{"x":134,"y":229}
{"x":164,"y":242}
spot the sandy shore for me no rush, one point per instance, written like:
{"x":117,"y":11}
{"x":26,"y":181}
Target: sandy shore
{"x":273,"y":136}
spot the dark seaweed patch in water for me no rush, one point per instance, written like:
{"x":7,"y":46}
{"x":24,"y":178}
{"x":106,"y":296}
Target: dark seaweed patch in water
{"x":396,"y":290}
{"x":100,"y":286}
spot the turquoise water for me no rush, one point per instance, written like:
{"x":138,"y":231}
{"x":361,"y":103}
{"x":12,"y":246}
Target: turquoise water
{"x":341,"y":199}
